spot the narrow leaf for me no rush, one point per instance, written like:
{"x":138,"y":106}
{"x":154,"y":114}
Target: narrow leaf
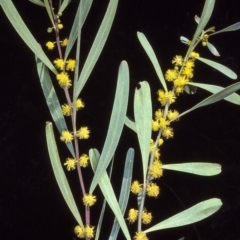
{"x":74,"y":33}
{"x":198,"y":168}
{"x":125,"y":191}
{"x":100,"y":221}
{"x":116,"y":123}
{"x":152,"y":56}
{"x":85,"y":5}
{"x":85,"y":10}
{"x":64,"y":5}
{"x":49,"y":11}
{"x":193,"y":214}
{"x":98,"y":45}
{"x":212,"y":49}
{"x":143,"y":121}
{"x":20,"y":27}
{"x":77,"y":58}
{"x":205,"y":16}
{"x":127,"y":180}
{"x":233,"y":27}
{"x":129,"y":123}
{"x":52,"y":100}
{"x":184,"y":40}
{"x":108,"y":193}
{"x":38,"y":2}
{"x":233,"y":98}
{"x":214,"y":98}
{"x":221,"y":68}
{"x":59,"y":173}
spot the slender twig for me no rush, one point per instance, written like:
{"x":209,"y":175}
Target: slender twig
{"x":70,"y":103}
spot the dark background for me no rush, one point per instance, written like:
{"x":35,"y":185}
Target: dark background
{"x":31,"y":205}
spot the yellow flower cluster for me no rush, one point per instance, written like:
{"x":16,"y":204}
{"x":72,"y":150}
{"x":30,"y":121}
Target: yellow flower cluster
{"x":132,"y":215}
{"x":66,"y":136}
{"x":89,"y":200}
{"x":146,"y":217}
{"x":50,"y":45}
{"x":182,"y":72}
{"x":140,"y":236}
{"x":172,"y":115}
{"x":153,"y":190}
{"x":64,"y":80}
{"x":64,"y":43}
{"x":156,"y":170}
{"x":63,"y":77}
{"x":157,"y":150}
{"x":166,"y":97}
{"x":59,"y":63}
{"x":82,"y":133}
{"x":68,"y":65}
{"x":136,"y":187}
{"x":160,"y":122}
{"x":66,"y":108}
{"x":84,"y":232}
{"x":84,"y":160}
{"x":71,"y":162}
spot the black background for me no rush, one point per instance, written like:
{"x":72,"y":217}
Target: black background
{"x":31,"y":205}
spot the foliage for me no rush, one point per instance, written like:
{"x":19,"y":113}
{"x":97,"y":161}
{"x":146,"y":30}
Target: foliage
{"x":145,"y":125}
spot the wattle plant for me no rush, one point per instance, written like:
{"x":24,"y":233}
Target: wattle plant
{"x":153,"y":126}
